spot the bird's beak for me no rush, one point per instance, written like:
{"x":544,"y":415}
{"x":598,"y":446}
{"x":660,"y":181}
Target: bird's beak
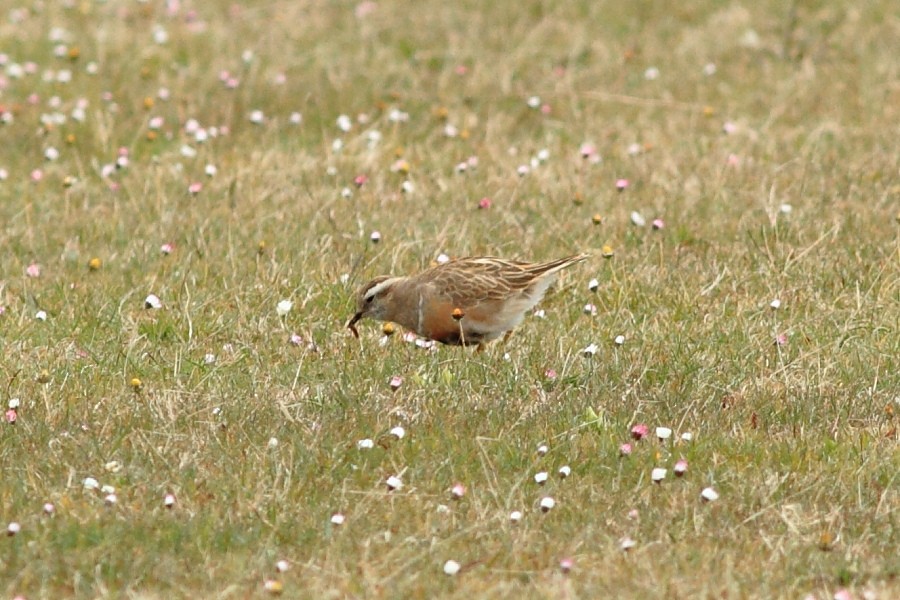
{"x":351,"y":324}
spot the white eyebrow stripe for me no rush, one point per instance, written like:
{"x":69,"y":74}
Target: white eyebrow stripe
{"x":377,"y":289}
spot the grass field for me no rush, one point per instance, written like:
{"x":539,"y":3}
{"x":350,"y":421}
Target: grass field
{"x":732,"y":167}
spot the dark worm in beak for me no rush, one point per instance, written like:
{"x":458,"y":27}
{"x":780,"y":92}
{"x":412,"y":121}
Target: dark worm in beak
{"x":351,"y":324}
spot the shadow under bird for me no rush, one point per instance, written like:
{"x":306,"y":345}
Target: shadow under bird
{"x":461,"y":302}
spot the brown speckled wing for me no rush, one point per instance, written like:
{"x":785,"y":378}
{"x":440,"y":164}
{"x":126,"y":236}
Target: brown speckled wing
{"x":492,"y":293}
{"x":469,"y":282}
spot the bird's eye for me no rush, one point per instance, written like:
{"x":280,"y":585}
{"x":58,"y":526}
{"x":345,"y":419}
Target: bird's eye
{"x":369,"y":299}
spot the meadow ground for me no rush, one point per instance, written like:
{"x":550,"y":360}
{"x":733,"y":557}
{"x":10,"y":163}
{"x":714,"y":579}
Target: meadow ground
{"x":198,"y":152}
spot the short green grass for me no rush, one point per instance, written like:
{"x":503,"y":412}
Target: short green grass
{"x":258,"y":442}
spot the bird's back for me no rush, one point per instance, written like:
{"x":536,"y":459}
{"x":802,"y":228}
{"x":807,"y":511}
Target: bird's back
{"x":492,"y":293}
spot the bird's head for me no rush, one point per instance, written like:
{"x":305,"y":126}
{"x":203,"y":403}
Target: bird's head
{"x":370,"y":301}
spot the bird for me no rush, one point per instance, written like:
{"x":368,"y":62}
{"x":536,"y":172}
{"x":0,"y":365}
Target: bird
{"x":462,"y":302}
